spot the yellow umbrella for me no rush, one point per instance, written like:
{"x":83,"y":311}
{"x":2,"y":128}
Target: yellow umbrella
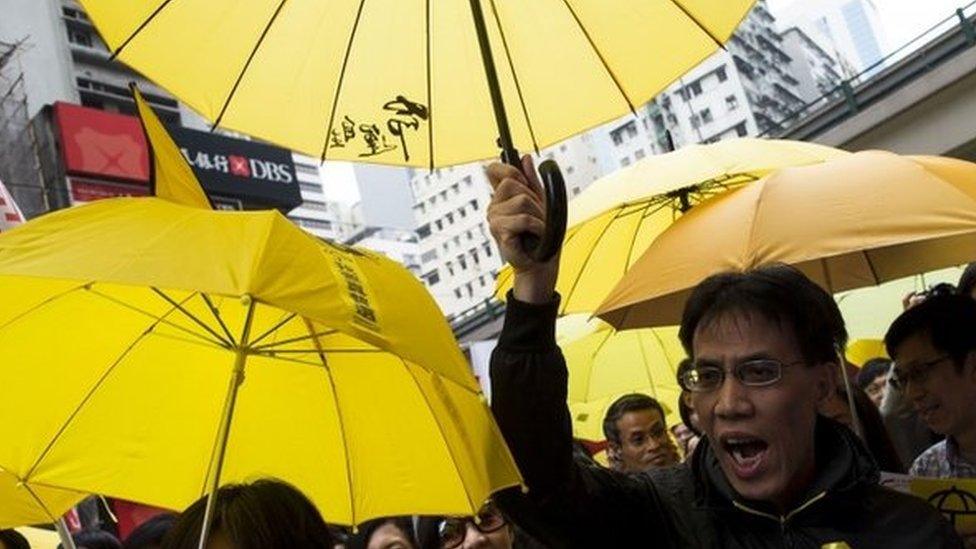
{"x":404,"y":81}
{"x":153,"y":349}
{"x":21,"y":504}
{"x":615,"y":219}
{"x":855,"y":221}
{"x":605,"y":364}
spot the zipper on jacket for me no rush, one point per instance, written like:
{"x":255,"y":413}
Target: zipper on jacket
{"x":781,"y":519}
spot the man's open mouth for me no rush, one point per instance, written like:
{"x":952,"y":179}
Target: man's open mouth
{"x":747,"y":453}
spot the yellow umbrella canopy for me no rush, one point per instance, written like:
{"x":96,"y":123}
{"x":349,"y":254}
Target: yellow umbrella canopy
{"x":402,"y":81}
{"x":615,"y":219}
{"x":152,"y":349}
{"x":855,"y":221}
{"x":21,"y":504}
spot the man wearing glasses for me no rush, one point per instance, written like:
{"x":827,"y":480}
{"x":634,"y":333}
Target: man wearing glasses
{"x":934,"y":348}
{"x":769,"y":472}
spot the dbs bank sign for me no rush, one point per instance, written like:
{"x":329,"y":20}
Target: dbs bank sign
{"x":111,"y":148}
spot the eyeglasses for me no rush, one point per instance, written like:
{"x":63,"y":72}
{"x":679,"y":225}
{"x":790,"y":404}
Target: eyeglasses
{"x":900,"y":378}
{"x":453,"y":530}
{"x":753,"y":373}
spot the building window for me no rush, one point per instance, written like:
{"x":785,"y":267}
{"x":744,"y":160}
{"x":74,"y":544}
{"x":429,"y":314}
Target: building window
{"x":695,"y":121}
{"x":467,"y":181}
{"x":470,"y":235}
{"x":423,"y":231}
{"x":474,"y":256}
{"x":638,"y":154}
{"x":481,"y":279}
{"x":450,"y":218}
{"x":695,"y":88}
{"x":80,"y":37}
{"x":432,"y":278}
{"x":732,"y":102}
{"x":624,"y":162}
{"x":310,"y":187}
{"x":428,"y":256}
{"x":440,"y":224}
{"x":576,"y":191}
{"x":706,"y":115}
{"x":722,"y":76}
{"x":474,"y":205}
{"x":450,"y":267}
{"x":462,"y":212}
{"x":457,"y":293}
{"x":570,"y":169}
{"x":741,"y":129}
{"x":462,"y":262}
{"x":469,"y":289}
{"x":456,"y":188}
{"x":487,"y":249}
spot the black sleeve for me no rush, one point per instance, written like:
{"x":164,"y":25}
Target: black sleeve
{"x":567,"y":504}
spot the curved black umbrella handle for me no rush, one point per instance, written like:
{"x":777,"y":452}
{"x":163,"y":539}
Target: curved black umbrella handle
{"x":554,"y":187}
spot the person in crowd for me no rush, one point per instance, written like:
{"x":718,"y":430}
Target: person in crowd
{"x":94,"y":539}
{"x":265,"y":514}
{"x":933,"y":345}
{"x":150,"y":534}
{"x":637,"y":438}
{"x":874,"y":434}
{"x":12,"y":539}
{"x":490,"y":530}
{"x":873,"y":379}
{"x":688,"y":432}
{"x":967,"y":281}
{"x":767,"y":473}
{"x":384,"y":533}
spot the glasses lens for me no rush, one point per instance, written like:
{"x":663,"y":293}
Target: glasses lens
{"x":702,"y":378}
{"x":759,"y":372}
{"x":451,"y":533}
{"x":490,"y":520}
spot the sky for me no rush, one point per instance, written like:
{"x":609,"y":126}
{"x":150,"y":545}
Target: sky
{"x":902,"y":19}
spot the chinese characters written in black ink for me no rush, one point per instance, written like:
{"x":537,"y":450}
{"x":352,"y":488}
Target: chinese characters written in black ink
{"x":406,"y":117}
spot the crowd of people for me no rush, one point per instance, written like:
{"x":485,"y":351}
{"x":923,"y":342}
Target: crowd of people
{"x":773,"y":448}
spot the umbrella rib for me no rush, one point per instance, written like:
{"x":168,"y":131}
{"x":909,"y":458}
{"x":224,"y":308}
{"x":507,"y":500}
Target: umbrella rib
{"x":139,"y":29}
{"x":91,"y":392}
{"x":826,"y":273}
{"x":265,"y":352}
{"x":342,"y":76}
{"x":219,"y":343}
{"x":294,"y":340}
{"x":37,"y":499}
{"x":342,"y":424}
{"x":633,"y":238}
{"x":430,"y":110}
{"x":593,"y":358}
{"x":599,"y":55}
{"x":197,"y":321}
{"x":586,"y":261}
{"x":874,"y":272}
{"x":247,"y":64}
{"x":47,"y":301}
{"x":518,"y":86}
{"x":647,"y":370}
{"x":216,"y":314}
{"x":440,"y":429}
{"x":288,"y":359}
{"x":287,"y":318}
{"x":699,"y":24}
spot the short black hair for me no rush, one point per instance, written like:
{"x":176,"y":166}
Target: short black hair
{"x":871,"y":370}
{"x":948,"y":320}
{"x":361,"y":539}
{"x":95,"y":539}
{"x":12,"y":539}
{"x":265,"y":514}
{"x":967,"y":280}
{"x":777,"y":292}
{"x":632,"y":402}
{"x":151,"y":532}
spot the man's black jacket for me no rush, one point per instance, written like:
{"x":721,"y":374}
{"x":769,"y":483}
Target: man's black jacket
{"x":571,"y":504}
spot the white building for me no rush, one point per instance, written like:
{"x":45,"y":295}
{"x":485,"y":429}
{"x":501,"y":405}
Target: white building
{"x":817,"y":70}
{"x":852,"y":29}
{"x":458,"y":256}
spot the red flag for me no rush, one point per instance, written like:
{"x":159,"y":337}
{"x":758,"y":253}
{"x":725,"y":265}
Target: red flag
{"x":10,"y":214}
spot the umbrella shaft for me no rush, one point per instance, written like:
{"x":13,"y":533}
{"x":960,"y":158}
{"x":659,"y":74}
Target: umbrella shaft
{"x":509,"y":154}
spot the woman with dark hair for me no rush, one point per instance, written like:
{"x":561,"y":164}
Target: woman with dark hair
{"x":384,"y":533}
{"x":875,"y":434}
{"x":489,"y":530}
{"x":12,"y":539}
{"x":266,"y":514}
{"x":150,"y":534}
